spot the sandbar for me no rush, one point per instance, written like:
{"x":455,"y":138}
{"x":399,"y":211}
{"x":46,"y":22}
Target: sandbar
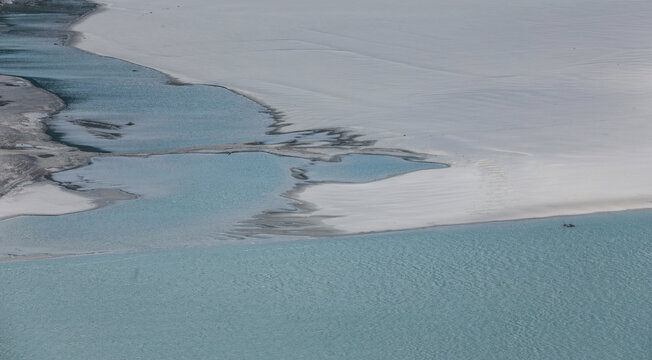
{"x":540,"y":108}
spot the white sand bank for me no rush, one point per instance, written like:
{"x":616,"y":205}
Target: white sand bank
{"x":542,"y":108}
{"x":43,"y":199}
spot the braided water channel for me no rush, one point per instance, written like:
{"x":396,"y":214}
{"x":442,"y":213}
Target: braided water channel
{"x":141,"y":128}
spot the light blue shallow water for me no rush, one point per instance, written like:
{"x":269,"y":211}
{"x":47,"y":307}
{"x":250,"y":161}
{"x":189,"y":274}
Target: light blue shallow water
{"x":110,"y":91}
{"x":518,"y":290}
{"x":363,"y":168}
{"x":185,"y":200}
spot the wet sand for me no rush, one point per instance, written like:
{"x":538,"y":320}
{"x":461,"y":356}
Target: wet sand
{"x":27,"y":153}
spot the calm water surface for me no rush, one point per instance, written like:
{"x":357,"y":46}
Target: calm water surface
{"x":516,"y":290}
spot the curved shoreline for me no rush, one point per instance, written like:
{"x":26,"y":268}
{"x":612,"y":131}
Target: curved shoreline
{"x":28,"y":153}
{"x":527,"y":129}
{"x":28,"y":156}
{"x":490,"y":185}
{"x":325,"y":144}
{"x":24,"y":147}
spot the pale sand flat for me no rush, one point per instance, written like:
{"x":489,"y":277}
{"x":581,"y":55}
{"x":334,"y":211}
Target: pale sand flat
{"x":540,"y":108}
